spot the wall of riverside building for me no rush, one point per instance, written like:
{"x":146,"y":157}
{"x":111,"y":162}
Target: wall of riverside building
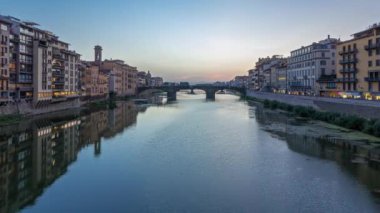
{"x":362,"y":108}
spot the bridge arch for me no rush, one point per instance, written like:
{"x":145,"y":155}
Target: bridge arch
{"x":210,"y":90}
{"x":171,"y":92}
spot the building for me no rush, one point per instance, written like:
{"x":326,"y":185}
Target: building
{"x":129,"y":80}
{"x":94,"y":83}
{"x":5,"y":29}
{"x":308,"y":64}
{"x":156,"y":82}
{"x":240,"y":81}
{"x":358,"y":61}
{"x":279,"y":77}
{"x":122,"y":77}
{"x":254,"y":79}
{"x":65,"y":74}
{"x":114,"y":69}
{"x":41,"y":67}
{"x":141,"y":79}
{"x":263,"y":77}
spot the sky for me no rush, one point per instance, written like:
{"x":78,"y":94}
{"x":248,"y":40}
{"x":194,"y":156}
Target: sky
{"x":194,"y":40}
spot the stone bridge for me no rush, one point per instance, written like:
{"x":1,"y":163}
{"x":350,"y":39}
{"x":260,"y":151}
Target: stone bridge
{"x":209,"y":89}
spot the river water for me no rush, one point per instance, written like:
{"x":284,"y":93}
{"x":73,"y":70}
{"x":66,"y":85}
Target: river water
{"x":190,"y":156}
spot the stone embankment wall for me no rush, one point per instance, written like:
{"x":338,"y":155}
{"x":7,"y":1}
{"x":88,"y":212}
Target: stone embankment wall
{"x":362,"y":108}
{"x":26,"y":108}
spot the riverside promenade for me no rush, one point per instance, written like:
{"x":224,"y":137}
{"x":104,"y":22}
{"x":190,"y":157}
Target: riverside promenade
{"x":362,"y":108}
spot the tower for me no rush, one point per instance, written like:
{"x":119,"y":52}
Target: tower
{"x":98,"y":54}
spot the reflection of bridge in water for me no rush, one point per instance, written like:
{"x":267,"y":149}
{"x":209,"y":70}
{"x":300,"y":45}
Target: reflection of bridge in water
{"x":209,"y":89}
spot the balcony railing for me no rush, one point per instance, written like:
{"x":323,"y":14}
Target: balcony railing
{"x":59,"y":82}
{"x":348,"y":61}
{"x":349,"y":51}
{"x":349,"y":70}
{"x":372,"y":46}
{"x":346,"y":80}
{"x":60,"y":74}
{"x":375,"y":79}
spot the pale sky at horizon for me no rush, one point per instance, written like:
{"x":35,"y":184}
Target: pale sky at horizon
{"x":195,"y":40}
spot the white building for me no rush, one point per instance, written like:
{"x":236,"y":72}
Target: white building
{"x":307,"y":64}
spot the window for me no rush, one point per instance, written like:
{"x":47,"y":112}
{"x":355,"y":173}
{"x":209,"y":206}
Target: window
{"x":4,"y":27}
{"x":369,"y":63}
{"x":323,"y":71}
{"x":323,"y":62}
{"x":377,"y":63}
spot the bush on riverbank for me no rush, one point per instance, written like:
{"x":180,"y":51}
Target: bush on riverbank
{"x":347,"y":121}
{"x":109,"y":104}
{"x":10,"y":119}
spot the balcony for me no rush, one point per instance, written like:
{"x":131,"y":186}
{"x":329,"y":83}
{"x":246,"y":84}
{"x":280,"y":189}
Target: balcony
{"x":26,"y":71}
{"x":346,"y":80}
{"x":58,"y":56}
{"x":58,"y":74}
{"x":348,"y":61}
{"x":349,"y":51}
{"x":373,"y":79}
{"x":348,"y":70}
{"x":14,"y":39}
{"x":59,"y":82}
{"x":372,"y":46}
{"x":58,"y":66}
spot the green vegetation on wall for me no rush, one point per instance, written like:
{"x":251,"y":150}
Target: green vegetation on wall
{"x":371,"y":127}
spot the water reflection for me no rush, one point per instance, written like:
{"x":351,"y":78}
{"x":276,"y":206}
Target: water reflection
{"x":38,"y":152}
{"x":358,"y":158}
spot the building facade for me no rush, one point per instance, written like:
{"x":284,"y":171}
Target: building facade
{"x":122,"y":77}
{"x":94,"y":82}
{"x":156,"y":82}
{"x":307,"y":64}
{"x":263,"y":77}
{"x":359,"y":65}
{"x":4,"y":60}
{"x":41,"y":68}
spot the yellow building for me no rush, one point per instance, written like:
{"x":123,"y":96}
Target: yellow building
{"x":358,"y":65}
{"x":94,"y":82}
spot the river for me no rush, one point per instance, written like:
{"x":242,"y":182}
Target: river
{"x":189,"y":156}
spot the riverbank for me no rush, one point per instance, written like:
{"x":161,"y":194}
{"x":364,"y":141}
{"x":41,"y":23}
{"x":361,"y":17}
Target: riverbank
{"x":362,"y":108}
{"x":352,"y":122}
{"x":81,"y":107}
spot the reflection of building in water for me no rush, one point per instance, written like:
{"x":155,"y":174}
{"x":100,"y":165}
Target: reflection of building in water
{"x":33,"y":159}
{"x":106,"y":123}
{"x":92,"y":129}
{"x":15,"y":170}
{"x":121,"y":117}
